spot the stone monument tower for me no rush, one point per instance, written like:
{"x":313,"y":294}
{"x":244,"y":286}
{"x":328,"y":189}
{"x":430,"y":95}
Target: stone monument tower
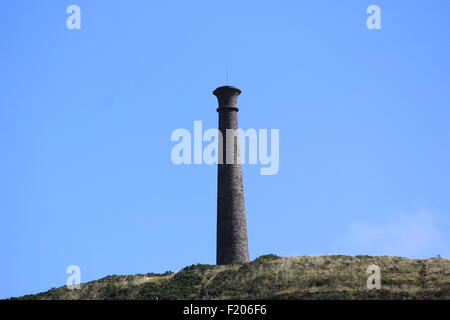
{"x":232,"y":244}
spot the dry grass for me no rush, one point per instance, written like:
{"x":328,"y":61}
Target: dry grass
{"x":271,"y":277}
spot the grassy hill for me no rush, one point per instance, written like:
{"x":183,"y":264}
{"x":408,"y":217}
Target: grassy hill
{"x":272,"y":277}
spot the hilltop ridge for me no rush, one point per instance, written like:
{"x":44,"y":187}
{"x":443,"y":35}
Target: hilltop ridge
{"x":273,"y":277}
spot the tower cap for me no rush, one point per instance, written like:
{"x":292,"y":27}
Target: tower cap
{"x":227,"y":91}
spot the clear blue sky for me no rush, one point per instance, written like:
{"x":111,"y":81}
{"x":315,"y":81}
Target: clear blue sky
{"x":86,"y":117}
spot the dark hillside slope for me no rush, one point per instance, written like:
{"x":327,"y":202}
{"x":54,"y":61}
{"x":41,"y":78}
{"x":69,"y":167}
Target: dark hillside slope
{"x":272,"y":277}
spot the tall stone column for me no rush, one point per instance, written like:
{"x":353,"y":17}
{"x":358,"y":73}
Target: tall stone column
{"x":232,"y":243}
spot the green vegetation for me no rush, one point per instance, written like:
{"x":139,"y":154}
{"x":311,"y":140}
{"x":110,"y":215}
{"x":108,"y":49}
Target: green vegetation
{"x":273,"y":277}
